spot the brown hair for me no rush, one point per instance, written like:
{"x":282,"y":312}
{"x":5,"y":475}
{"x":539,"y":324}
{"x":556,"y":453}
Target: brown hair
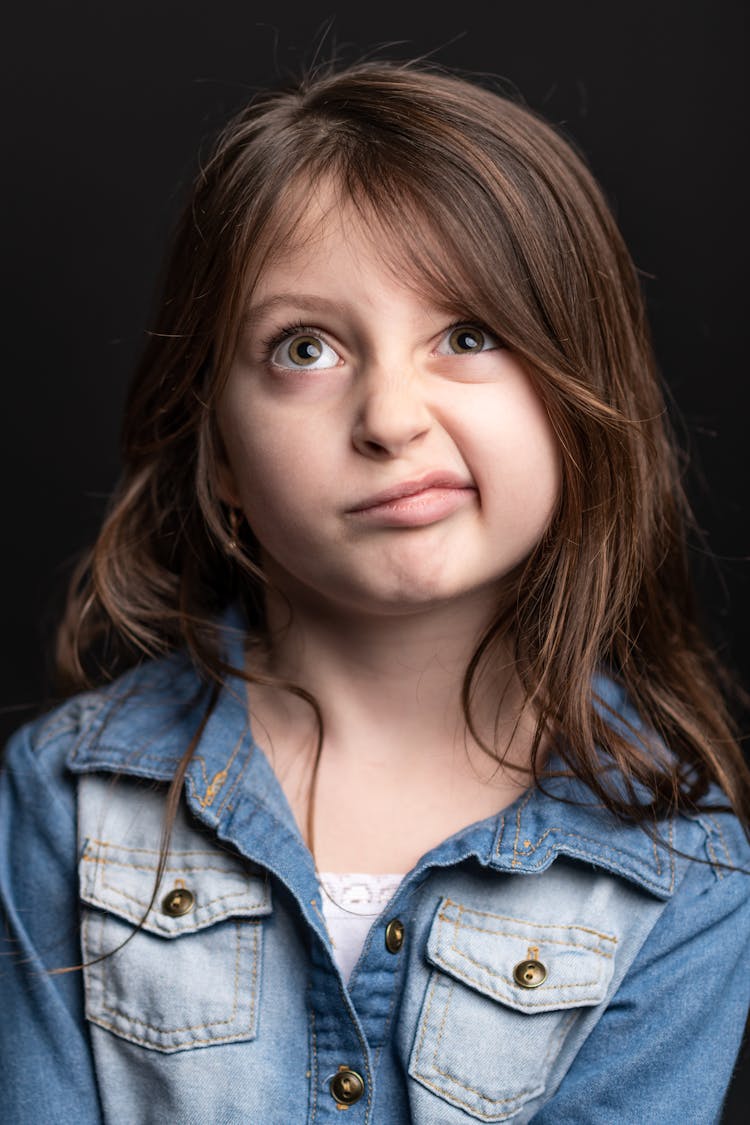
{"x":498,"y":214}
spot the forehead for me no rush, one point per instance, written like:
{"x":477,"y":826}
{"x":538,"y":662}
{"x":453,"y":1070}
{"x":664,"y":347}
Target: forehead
{"x":320,"y":227}
{"x":317,"y":224}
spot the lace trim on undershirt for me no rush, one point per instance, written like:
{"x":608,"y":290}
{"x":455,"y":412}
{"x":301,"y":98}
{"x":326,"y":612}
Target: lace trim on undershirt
{"x":351,"y":901}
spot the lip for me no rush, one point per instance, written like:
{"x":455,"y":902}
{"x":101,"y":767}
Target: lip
{"x":416,"y":503}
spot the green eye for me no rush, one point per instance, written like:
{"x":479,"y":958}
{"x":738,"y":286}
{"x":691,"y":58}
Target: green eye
{"x":467,"y":339}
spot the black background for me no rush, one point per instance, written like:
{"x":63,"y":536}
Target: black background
{"x":104,"y":108}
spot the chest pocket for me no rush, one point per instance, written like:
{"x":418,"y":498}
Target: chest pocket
{"x":491,"y":1027}
{"x":190,"y":976}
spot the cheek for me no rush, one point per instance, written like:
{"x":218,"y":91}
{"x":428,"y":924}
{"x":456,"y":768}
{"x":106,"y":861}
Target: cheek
{"x":518,"y":463}
{"x":278,"y":464}
{"x":261,"y":453}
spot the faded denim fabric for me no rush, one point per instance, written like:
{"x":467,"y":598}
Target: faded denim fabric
{"x":235,"y":1012}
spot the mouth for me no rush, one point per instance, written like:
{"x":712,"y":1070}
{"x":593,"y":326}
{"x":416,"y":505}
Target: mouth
{"x":416,"y":503}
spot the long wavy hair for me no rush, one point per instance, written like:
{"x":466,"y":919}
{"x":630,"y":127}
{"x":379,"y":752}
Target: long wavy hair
{"x":497,"y":214}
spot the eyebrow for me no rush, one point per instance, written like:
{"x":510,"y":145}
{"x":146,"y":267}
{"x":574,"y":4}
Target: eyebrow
{"x":306,"y":300}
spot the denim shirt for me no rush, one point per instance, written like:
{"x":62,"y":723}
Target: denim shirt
{"x":556,"y":966}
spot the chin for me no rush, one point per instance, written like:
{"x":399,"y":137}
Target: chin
{"x":406,"y":595}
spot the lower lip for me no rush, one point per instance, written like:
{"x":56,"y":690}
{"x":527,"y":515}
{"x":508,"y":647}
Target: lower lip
{"x":422,"y":508}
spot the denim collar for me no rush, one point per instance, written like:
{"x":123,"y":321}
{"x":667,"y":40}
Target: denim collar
{"x":141,"y":725}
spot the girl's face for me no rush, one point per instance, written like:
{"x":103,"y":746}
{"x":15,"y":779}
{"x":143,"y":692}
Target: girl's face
{"x":347,"y":384}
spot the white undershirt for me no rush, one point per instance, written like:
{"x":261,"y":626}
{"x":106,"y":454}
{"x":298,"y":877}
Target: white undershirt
{"x":351,"y":902}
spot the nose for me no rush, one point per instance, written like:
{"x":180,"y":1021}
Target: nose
{"x":391,"y":415}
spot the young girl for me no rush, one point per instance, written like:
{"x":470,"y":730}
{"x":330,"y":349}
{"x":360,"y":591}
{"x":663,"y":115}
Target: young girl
{"x":395,"y":777}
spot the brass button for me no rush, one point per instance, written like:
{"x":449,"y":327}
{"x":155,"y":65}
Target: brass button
{"x":394,"y":935}
{"x":530,"y":974}
{"x":177,"y":902}
{"x":347,"y":1087}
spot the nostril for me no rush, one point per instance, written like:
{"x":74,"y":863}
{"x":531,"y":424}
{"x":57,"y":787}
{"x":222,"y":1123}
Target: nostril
{"x":376,"y":447}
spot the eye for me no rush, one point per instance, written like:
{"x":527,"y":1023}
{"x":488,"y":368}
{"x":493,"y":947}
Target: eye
{"x":304,"y":350}
{"x":465,"y":339}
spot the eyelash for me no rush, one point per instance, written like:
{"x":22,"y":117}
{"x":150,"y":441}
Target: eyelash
{"x":270,"y":343}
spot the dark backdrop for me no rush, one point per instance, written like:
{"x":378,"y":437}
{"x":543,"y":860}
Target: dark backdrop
{"x":104,"y":107}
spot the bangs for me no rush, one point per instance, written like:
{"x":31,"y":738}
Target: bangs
{"x":447,"y":236}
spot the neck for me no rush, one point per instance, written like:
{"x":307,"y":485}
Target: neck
{"x":389,"y":686}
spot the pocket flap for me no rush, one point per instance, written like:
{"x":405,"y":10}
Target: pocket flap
{"x":220,"y":885}
{"x":482,"y":950}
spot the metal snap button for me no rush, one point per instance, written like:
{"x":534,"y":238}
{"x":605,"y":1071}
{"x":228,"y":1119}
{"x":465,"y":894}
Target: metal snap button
{"x":178,"y":901}
{"x":530,"y":974}
{"x":347,"y":1087}
{"x":394,"y":935}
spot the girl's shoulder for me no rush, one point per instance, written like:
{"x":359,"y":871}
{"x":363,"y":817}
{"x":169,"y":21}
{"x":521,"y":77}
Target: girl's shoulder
{"x":156,"y":700}
{"x":152,"y":696}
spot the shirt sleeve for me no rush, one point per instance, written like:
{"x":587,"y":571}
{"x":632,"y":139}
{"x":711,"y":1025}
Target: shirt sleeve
{"x":45,"y":1055}
{"x":666,"y":1046}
